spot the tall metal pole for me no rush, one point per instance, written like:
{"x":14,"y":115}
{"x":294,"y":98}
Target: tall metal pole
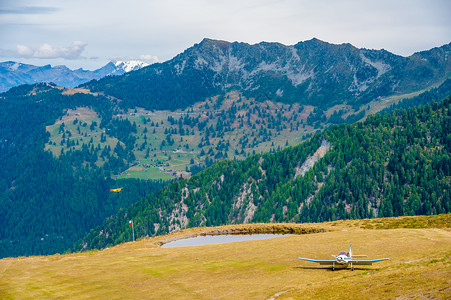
{"x":130,"y":223}
{"x":133,"y":229}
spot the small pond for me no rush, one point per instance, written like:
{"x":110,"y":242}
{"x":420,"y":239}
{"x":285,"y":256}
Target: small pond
{"x":220,"y":239}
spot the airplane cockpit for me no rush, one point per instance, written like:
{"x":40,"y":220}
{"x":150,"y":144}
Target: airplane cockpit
{"x":343,"y":253}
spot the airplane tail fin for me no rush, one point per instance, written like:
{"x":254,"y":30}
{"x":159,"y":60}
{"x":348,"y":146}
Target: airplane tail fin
{"x":351,"y":255}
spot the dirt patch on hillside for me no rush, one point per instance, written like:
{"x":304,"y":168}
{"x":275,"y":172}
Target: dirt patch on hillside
{"x":76,"y":91}
{"x":311,"y":160}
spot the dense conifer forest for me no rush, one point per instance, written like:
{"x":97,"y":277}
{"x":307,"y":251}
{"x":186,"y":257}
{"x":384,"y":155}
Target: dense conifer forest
{"x":47,"y":203}
{"x":392,"y":165}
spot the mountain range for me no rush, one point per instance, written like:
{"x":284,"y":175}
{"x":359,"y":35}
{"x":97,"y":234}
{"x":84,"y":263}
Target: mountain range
{"x":15,"y":73}
{"x":311,"y":72}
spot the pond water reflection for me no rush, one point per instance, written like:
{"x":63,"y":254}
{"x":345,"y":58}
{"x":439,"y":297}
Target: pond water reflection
{"x":221,"y":239}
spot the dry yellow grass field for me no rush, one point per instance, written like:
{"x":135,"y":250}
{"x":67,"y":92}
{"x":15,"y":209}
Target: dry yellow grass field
{"x":419,"y":249}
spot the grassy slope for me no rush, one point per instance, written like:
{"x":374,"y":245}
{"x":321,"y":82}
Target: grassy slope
{"x":180,"y":155}
{"x":419,"y":266}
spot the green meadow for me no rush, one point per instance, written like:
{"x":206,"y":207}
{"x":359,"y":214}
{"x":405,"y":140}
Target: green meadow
{"x":419,"y":249}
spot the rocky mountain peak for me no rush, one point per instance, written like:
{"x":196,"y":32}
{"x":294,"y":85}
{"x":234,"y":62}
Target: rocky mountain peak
{"x":311,"y":72}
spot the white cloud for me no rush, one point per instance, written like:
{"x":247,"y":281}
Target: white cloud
{"x":150,"y":59}
{"x":47,"y":51}
{"x":165,"y":28}
{"x":24,"y":51}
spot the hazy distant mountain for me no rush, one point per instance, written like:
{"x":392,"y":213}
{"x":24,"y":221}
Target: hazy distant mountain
{"x":15,"y":73}
{"x":311,"y":72}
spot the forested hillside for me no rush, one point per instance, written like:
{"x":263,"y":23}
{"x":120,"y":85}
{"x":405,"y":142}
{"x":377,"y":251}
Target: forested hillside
{"x":46,"y":203}
{"x":392,"y":165}
{"x":60,"y":148}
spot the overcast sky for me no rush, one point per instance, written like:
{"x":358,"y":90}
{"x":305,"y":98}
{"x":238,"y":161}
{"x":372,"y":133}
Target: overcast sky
{"x":89,"y":33}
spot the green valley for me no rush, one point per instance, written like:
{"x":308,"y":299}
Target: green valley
{"x":390,"y":165}
{"x":175,"y":144}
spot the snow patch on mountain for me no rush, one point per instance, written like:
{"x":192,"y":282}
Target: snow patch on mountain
{"x":131,"y":65}
{"x":15,"y":73}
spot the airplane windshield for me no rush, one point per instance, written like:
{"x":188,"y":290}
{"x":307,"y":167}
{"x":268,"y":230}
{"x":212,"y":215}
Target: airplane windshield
{"x":343,"y":253}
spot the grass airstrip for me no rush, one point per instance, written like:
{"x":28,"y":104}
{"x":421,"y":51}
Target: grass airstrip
{"x":419,"y":249}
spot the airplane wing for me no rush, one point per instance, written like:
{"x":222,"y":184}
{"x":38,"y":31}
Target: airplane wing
{"x":366,"y":262}
{"x":321,"y":262}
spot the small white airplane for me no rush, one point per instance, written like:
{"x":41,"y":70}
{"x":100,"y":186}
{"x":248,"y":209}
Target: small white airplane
{"x":343,"y":259}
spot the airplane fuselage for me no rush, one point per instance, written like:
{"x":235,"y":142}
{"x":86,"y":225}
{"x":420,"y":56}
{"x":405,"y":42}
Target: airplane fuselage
{"x":344,"y":259}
